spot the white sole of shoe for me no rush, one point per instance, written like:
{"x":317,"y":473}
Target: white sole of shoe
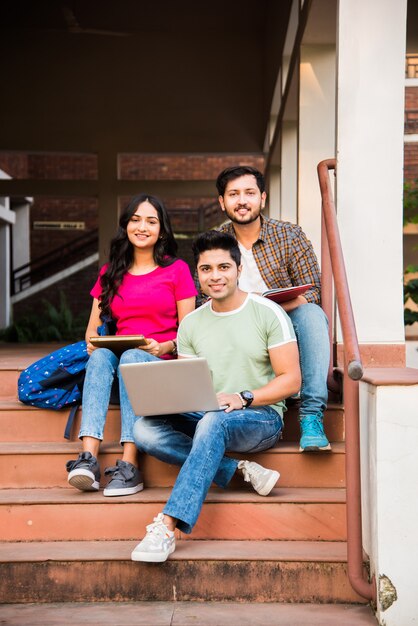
{"x":149,"y":557}
{"x":83,"y":480}
{"x":128,"y":491}
{"x":315,"y":449}
{"x":269,"y":484}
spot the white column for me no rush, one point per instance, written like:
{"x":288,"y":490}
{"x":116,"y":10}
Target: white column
{"x":273,"y":199}
{"x":7,"y":218}
{"x":370,"y":111}
{"x":389,"y":435}
{"x":289,"y":185}
{"x":316,"y":132}
{"x":21,"y":233}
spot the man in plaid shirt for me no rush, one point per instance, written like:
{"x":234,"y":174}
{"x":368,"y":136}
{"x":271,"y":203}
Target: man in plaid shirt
{"x":278,"y":254}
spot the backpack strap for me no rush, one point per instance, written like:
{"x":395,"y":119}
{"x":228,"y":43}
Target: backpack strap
{"x":70,"y":421}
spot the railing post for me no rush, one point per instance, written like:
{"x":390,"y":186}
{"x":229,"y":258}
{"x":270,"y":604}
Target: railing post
{"x":326,"y":302}
{"x":353,"y":371}
{"x":356,"y":572}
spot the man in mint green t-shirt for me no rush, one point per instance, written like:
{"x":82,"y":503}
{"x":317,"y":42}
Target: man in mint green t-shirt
{"x":250,"y":346}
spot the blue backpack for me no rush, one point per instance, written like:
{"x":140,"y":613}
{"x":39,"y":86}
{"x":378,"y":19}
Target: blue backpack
{"x":56,"y":381}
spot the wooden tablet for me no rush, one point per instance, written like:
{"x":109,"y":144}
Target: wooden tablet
{"x":119,"y":343}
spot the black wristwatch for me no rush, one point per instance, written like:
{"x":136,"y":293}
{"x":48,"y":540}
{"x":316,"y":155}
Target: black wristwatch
{"x":247,"y":397}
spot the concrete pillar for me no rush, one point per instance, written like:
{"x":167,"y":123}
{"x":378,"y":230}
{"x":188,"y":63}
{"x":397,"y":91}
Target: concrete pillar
{"x":21,"y":233}
{"x":289,"y":185}
{"x":7,"y":218}
{"x":389,"y":436}
{"x":370,"y":113}
{"x":316,"y":132}
{"x":273,"y":199}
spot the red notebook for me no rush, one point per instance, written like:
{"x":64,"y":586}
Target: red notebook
{"x":286,"y":293}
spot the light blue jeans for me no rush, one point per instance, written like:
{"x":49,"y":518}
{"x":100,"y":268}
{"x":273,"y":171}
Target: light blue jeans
{"x":198,"y":442}
{"x":102,"y":367}
{"x":311,"y":328}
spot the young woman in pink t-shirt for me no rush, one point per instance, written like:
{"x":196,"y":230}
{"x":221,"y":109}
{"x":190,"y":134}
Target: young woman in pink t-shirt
{"x":146,"y":290}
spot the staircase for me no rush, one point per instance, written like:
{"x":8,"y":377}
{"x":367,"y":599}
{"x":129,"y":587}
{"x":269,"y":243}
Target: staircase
{"x":61,"y":545}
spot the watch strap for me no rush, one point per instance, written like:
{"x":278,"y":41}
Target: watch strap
{"x":243,"y":402}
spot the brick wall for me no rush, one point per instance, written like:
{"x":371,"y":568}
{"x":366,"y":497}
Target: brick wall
{"x":411,"y":161}
{"x":181,"y":167}
{"x":66,"y":209}
{"x":411,"y":98}
{"x":49,"y":166}
{"x":411,"y":148}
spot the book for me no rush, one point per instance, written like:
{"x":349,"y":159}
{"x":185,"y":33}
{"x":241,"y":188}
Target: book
{"x":118,"y":343}
{"x":286,"y":293}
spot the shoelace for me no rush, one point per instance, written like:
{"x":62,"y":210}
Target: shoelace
{"x":314,"y":423}
{"x":157,"y":528}
{"x":248,"y":472}
{"x":82,"y":459}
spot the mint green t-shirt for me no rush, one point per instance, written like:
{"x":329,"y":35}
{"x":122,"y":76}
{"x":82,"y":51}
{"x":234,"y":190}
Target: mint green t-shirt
{"x":236,"y":343}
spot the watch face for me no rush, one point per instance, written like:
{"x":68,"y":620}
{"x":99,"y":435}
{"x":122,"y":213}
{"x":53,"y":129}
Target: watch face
{"x":248,"y":396}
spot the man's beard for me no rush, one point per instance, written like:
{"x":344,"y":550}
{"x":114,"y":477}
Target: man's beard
{"x":246,"y":219}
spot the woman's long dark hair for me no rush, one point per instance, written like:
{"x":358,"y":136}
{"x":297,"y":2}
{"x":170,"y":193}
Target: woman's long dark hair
{"x":122,"y":251}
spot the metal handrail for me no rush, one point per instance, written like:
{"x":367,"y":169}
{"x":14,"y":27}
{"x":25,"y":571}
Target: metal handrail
{"x":47,"y":264}
{"x":334,"y":275}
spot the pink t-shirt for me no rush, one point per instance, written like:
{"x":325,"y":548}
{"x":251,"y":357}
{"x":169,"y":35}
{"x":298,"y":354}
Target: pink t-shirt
{"x":147,"y":305}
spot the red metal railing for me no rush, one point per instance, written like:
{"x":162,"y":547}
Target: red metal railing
{"x":334,"y":277}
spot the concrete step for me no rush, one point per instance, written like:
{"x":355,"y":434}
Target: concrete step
{"x":15,"y":357}
{"x":239,"y":571}
{"x":19,"y":422}
{"x":187,"y":614}
{"x":68,"y":515}
{"x":42,"y":464}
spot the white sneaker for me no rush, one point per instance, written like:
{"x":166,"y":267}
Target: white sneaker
{"x":263,"y":480}
{"x":158,"y":543}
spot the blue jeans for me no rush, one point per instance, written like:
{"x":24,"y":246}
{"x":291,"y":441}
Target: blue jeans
{"x":198,"y":442}
{"x":311,"y":328}
{"x":102,"y":367}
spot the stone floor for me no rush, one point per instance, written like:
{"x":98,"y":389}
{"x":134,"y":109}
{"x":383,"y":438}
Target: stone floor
{"x":185,"y":614}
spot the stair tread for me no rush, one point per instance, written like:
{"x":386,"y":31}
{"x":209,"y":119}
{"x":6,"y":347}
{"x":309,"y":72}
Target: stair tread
{"x":19,"y":356}
{"x":297,"y":495}
{"x":72,"y":447}
{"x":188,"y":613}
{"x":213,"y":550}
{"x":11,"y":402}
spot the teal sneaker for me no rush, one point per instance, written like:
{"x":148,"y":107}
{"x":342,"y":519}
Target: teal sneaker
{"x":313,"y":438}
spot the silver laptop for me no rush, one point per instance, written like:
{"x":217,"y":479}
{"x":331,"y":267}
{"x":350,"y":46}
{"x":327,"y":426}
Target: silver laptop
{"x":167,"y":387}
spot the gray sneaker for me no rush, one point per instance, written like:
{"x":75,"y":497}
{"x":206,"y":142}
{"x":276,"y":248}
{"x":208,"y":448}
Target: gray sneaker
{"x":84,"y":472}
{"x":158,"y":543}
{"x":263,"y":480}
{"x":126,"y":479}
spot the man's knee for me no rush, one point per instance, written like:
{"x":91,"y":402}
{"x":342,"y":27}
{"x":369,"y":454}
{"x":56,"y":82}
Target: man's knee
{"x":309,"y":315}
{"x":147,"y":436}
{"x":211,"y":424}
